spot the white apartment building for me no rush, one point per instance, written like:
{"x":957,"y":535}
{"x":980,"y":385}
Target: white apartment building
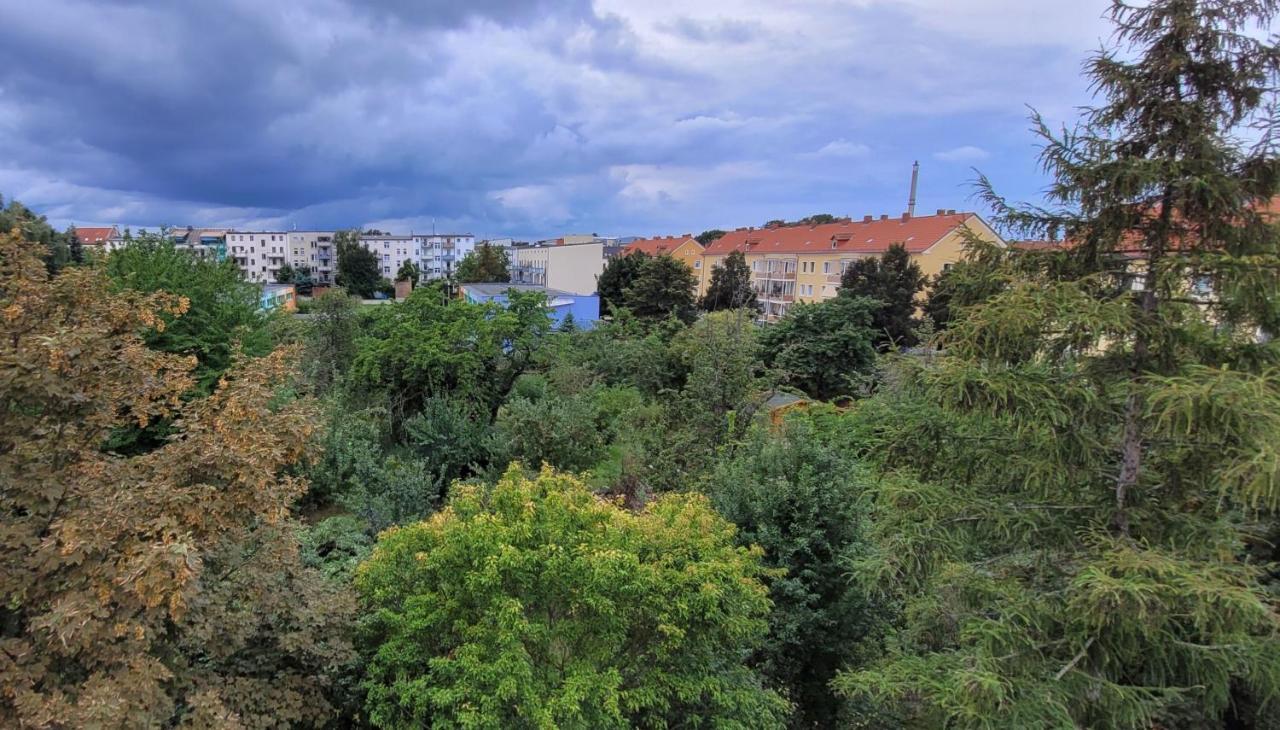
{"x":571,"y":267}
{"x":259,"y":254}
{"x":314,"y":252}
{"x":392,"y":251}
{"x":441,"y":252}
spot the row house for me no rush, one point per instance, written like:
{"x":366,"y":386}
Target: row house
{"x":684,"y":249}
{"x":792,"y":264}
{"x":314,"y":253}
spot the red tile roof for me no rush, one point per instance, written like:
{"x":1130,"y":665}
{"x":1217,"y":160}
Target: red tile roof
{"x":94,"y":236}
{"x":658,"y":245}
{"x":869,"y":235}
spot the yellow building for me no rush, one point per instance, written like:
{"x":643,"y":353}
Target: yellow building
{"x":804,"y":263}
{"x":685,"y":249}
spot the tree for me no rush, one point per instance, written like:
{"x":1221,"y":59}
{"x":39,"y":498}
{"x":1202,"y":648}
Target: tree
{"x":162,"y":589}
{"x":224,"y":314}
{"x":789,"y":492}
{"x":707,"y":237}
{"x":1078,"y":485}
{"x":409,"y":271}
{"x":36,"y":229}
{"x":285,"y":274}
{"x":358,"y":269}
{"x":484,"y":264}
{"x":537,"y":604}
{"x":427,"y":346}
{"x":663,"y":287}
{"x":822,"y":348}
{"x":893,"y":280}
{"x":330,"y":338}
{"x":618,"y":275}
{"x":730,"y":286}
{"x":817,"y":219}
{"x":74,"y":247}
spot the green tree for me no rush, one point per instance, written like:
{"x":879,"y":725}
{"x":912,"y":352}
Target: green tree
{"x":358,"y":269}
{"x":618,"y":274}
{"x":730,"y":286}
{"x":36,"y":229}
{"x":707,"y":237}
{"x":75,"y":248}
{"x":429,"y":346}
{"x":224,"y":313}
{"x":792,"y":494}
{"x":330,"y":338}
{"x":893,"y":280}
{"x":409,"y":271}
{"x":285,"y":274}
{"x":822,"y":348}
{"x":484,"y":264}
{"x":663,"y":287}
{"x":157,"y":590}
{"x":536,"y":604}
{"x":1076,"y":486}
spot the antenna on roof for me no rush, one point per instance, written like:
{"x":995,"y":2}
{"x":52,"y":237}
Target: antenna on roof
{"x":915,"y":179}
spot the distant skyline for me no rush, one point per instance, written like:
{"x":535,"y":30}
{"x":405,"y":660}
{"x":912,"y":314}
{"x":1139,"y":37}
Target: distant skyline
{"x":526,"y":118}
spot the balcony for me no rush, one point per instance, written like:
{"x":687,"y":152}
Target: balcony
{"x":776,"y":275}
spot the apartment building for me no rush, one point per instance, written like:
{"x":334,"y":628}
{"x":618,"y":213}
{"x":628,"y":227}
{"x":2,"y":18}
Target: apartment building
{"x":314,"y":253}
{"x":570,"y":267}
{"x":804,"y":263}
{"x":208,"y":243}
{"x":441,"y":252}
{"x":103,"y":239}
{"x":392,"y":251}
{"x":259,"y":254}
{"x":684,"y":249}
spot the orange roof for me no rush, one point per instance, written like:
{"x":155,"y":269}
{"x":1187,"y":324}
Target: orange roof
{"x":94,"y":235}
{"x":869,"y":235}
{"x":658,"y":245}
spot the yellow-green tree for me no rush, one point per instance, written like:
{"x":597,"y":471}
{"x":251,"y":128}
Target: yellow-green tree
{"x":159,"y":589}
{"x":538,"y":604}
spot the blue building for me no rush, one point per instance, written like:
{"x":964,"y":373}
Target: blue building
{"x":583,"y":308}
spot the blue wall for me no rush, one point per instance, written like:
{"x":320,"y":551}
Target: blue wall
{"x":585,"y":308}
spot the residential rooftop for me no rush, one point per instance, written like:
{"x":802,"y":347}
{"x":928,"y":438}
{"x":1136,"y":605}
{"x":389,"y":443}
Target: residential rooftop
{"x":868,"y":235}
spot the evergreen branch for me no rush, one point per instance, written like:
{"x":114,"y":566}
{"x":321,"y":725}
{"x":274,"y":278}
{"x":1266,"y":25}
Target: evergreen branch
{"x":1074,"y":660}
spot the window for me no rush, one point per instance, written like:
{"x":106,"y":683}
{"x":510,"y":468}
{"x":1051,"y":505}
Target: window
{"x":697,"y":264}
{"x":946,"y":267}
{"x":826,"y":267}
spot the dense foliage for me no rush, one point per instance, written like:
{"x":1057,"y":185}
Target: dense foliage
{"x":730,"y":286}
{"x":536,"y":604}
{"x":823,"y":348}
{"x":618,"y":274}
{"x":893,"y":280}
{"x":662,"y":287}
{"x":161,"y":589}
{"x":359,"y":271}
{"x":484,"y":264}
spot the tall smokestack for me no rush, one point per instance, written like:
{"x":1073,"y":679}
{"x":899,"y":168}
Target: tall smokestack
{"x":915,"y":179}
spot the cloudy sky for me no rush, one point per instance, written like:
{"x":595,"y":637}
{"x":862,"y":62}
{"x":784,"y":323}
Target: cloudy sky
{"x":525,"y":117}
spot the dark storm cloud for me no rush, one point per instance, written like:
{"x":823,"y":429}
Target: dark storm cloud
{"x":522,"y":116}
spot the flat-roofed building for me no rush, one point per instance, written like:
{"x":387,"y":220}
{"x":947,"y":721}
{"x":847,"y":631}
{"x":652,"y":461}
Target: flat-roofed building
{"x":571,"y":268}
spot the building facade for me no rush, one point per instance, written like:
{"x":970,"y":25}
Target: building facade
{"x":571,"y":268}
{"x":804,"y":263}
{"x":583,"y":310}
{"x":684,"y":249}
{"x":392,"y":251}
{"x":313,"y":252}
{"x":441,"y":252}
{"x":259,"y":254}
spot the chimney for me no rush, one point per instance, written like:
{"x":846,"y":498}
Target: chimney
{"x":884,"y":216}
{"x":951,"y":211}
{"x":915,"y":179}
{"x":867,"y":218}
{"x":906,"y":217}
{"x":942,"y":211}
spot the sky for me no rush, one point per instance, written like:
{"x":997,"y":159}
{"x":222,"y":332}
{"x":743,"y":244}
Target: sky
{"x":527,"y":118}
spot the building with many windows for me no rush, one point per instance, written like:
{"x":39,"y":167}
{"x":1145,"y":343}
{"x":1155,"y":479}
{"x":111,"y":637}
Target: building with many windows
{"x":392,"y":251}
{"x":804,"y":263}
{"x":441,"y":252}
{"x":259,"y":254}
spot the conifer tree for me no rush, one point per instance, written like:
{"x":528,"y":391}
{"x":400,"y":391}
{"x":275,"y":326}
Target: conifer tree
{"x":1076,"y":482}
{"x":730,"y":286}
{"x":74,"y":247}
